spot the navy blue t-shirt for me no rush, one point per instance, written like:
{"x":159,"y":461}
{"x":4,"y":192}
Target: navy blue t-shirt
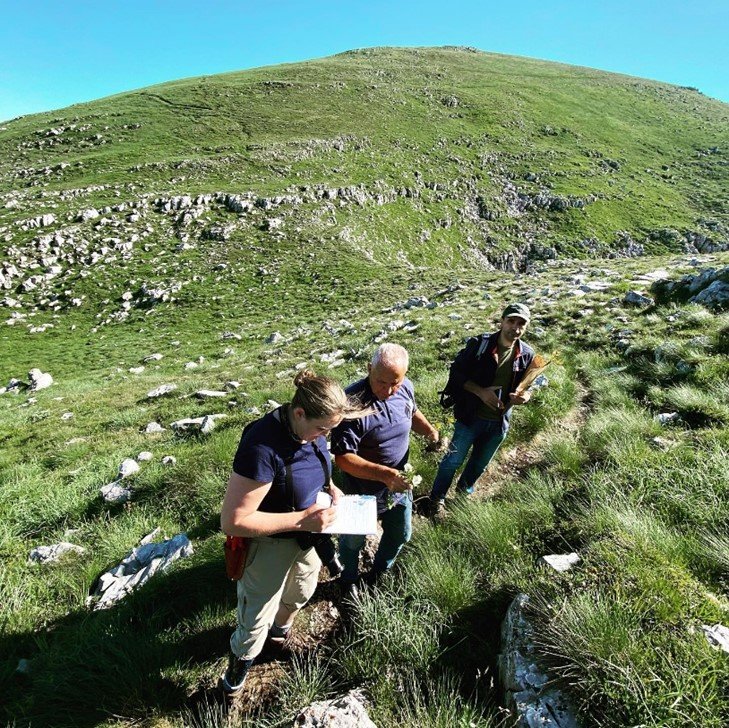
{"x":266,"y":448}
{"x":382,"y":438}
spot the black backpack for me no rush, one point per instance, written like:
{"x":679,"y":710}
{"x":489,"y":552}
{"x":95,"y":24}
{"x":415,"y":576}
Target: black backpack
{"x":473,"y":348}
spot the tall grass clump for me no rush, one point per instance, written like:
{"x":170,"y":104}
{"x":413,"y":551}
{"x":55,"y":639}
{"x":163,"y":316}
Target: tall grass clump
{"x":310,"y":678}
{"x":391,"y":633}
{"x":439,"y":702}
{"x":625,"y":669}
{"x":444,"y":574}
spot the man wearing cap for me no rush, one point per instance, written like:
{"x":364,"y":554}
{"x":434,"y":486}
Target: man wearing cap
{"x":482,"y":382}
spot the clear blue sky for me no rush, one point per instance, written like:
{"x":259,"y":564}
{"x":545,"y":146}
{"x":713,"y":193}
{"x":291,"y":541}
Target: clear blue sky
{"x":54,"y":53}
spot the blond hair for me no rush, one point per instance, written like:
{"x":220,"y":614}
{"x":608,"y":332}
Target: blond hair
{"x":321,"y":397}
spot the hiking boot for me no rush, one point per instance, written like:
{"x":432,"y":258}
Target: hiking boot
{"x":349,"y":589}
{"x":235,"y":674}
{"x":465,"y":490}
{"x":278,"y":635}
{"x":436,"y":509}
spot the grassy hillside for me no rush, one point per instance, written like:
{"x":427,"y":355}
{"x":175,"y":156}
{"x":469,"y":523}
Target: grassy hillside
{"x":197,"y":218}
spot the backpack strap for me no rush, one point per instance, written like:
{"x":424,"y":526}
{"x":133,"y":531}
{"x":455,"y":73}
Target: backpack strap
{"x":482,"y":346}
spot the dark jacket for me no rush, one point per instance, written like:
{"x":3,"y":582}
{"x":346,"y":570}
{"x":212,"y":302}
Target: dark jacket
{"x":477,"y":362}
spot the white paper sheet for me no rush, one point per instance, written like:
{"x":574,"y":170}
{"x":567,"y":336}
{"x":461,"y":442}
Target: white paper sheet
{"x":355,"y":514}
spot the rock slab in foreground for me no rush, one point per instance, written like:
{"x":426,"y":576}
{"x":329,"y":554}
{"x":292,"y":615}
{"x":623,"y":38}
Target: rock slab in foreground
{"x":138,"y":567}
{"x":525,"y":685}
{"x":346,"y":711}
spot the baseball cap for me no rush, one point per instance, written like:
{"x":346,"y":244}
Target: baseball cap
{"x":517,"y":309}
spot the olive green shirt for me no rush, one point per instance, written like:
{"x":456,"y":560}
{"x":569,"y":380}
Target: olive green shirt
{"x":502,"y":378}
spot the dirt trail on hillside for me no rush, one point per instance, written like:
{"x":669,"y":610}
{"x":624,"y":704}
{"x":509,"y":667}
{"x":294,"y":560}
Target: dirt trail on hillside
{"x":510,"y":463}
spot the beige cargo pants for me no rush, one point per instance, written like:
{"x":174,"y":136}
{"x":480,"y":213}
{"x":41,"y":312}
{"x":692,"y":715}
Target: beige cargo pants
{"x":277,"y":572}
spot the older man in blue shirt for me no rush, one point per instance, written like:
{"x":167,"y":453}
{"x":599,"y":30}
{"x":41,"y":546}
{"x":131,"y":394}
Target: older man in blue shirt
{"x":372,"y":452}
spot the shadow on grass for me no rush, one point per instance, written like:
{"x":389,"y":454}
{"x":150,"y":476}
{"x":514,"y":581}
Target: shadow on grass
{"x":470,"y":648}
{"x":121,"y":662}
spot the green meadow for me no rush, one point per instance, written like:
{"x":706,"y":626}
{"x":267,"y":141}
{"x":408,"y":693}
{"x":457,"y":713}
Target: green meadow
{"x":378,"y":181}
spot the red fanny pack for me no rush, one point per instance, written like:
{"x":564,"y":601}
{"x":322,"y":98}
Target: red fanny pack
{"x":236,"y":551}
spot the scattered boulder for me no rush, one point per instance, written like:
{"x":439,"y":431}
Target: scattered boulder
{"x":144,"y":456}
{"x":275,"y":338}
{"x":204,"y":425}
{"x":152,"y":357}
{"x":637,"y":299}
{"x":210,"y":394}
{"x":161,"y":390}
{"x":718,"y":636}
{"x":46,"y":554}
{"x":153,"y":428}
{"x":346,"y":711}
{"x":115,"y":493}
{"x":138,"y":567}
{"x":86,"y":215}
{"x":715,"y":295}
{"x":39,"y":380}
{"x":169,"y":460}
{"x":665,"y":418}
{"x":560,"y":562}
{"x":128,"y":467}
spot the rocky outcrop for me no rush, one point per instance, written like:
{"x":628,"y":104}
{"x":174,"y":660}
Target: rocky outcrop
{"x":709,"y":287}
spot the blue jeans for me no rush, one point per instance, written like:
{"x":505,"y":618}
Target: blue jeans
{"x":396,"y":530}
{"x":485,"y":436}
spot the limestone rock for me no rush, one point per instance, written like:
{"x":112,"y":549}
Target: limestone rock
{"x":46,"y":554}
{"x":128,"y":467}
{"x":665,"y":418}
{"x":144,"y":456}
{"x":715,"y":295}
{"x":161,"y":390}
{"x":346,"y":711}
{"x":39,"y":380}
{"x":153,"y":428}
{"x":115,"y":493}
{"x":210,"y":394}
{"x":203,"y":424}
{"x":718,"y":636}
{"x":169,"y":460}
{"x":137,"y":567}
{"x":525,"y":682}
{"x":637,"y":299}
{"x":560,"y":562}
